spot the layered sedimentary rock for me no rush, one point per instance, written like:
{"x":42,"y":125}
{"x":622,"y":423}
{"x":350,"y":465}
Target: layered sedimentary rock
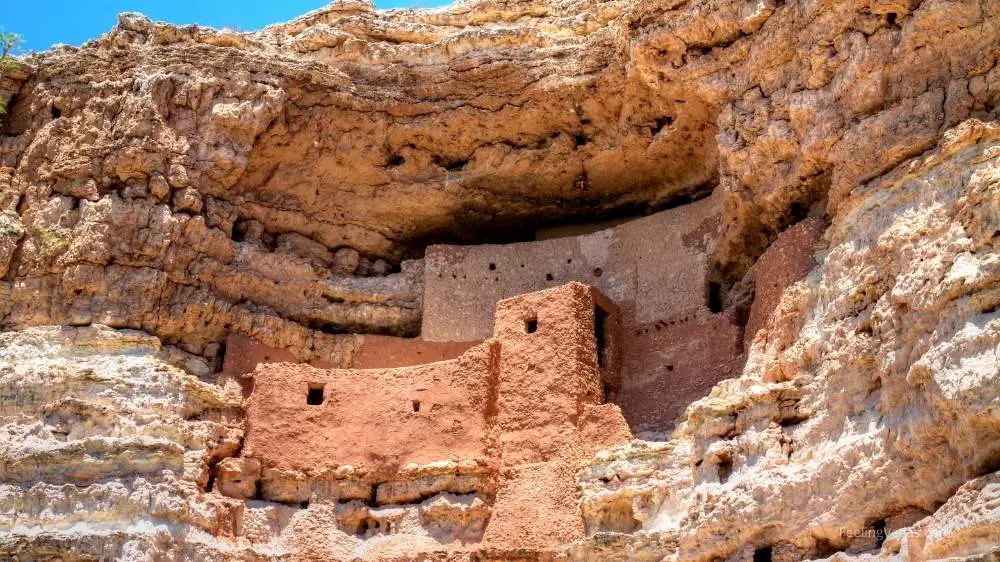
{"x":165,"y":189}
{"x":868,"y":399}
{"x":106,"y":445}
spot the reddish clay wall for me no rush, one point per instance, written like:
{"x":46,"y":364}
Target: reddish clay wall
{"x":667,"y":366}
{"x":387,"y":351}
{"x":549,"y":382}
{"x":380,"y":419}
{"x":786,"y":261}
{"x":527,"y":401}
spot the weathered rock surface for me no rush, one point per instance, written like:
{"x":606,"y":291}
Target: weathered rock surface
{"x":871,"y":393}
{"x":282,"y":185}
{"x":183,"y":165}
{"x":105,"y":447}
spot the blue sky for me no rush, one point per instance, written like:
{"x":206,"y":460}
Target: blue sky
{"x":44,"y":23}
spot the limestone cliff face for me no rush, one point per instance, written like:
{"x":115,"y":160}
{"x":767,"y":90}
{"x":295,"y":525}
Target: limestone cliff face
{"x":866,"y":402}
{"x":177,"y":185}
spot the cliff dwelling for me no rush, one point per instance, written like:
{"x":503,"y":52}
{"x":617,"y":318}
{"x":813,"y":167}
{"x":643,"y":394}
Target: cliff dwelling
{"x":505,"y":280}
{"x":509,"y":415}
{"x":655,"y":271}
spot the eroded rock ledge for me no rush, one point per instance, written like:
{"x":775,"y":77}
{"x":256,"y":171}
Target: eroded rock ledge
{"x":381,"y":131}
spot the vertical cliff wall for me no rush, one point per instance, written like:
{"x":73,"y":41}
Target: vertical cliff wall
{"x":165,"y":188}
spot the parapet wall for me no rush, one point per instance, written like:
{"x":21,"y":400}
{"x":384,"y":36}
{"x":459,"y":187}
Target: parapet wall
{"x":307,"y":419}
{"x":352,"y":351}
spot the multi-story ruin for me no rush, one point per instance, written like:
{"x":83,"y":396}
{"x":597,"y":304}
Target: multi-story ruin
{"x":492,"y":437}
{"x":508,"y":280}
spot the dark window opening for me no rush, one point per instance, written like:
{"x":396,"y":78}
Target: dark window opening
{"x":457,"y":165}
{"x":56,"y":112}
{"x":531,"y":326}
{"x":493,"y":267}
{"x":416,"y":405}
{"x":304,"y":504}
{"x":396,"y":160}
{"x":715,"y":297}
{"x":548,"y":277}
{"x":315,"y":396}
{"x":880,"y":534}
{"x":670,"y":368}
{"x":601,"y":335}
{"x":890,"y":18}
{"x":239,"y":232}
{"x":609,"y":394}
{"x":598,"y":272}
{"x":763,"y":554}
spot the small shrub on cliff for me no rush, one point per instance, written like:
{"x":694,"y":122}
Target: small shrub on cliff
{"x":8,"y":48}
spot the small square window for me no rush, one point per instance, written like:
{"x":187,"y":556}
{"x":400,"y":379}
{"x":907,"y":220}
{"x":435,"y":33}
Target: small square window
{"x":531,"y":326}
{"x":315,"y":395}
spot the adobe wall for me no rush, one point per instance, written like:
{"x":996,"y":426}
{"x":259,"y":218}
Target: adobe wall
{"x":380,"y":419}
{"x":523,"y":408}
{"x":374,"y":351}
{"x":356,"y":351}
{"x":549,"y":414}
{"x":667,"y":366}
{"x":789,"y":258}
{"x":657,"y":262}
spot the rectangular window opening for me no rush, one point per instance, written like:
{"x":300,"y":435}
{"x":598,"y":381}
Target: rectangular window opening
{"x":715,"y":297}
{"x":601,"y":335}
{"x":531,"y":325}
{"x":315,"y":395}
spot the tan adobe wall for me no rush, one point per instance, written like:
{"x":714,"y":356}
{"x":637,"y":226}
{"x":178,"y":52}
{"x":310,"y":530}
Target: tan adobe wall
{"x":653,"y":267}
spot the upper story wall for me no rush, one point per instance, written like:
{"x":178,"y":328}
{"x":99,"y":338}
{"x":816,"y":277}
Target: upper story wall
{"x":654,"y":268}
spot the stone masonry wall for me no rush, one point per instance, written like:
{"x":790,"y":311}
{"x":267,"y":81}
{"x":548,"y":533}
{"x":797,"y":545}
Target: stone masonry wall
{"x":653,"y":267}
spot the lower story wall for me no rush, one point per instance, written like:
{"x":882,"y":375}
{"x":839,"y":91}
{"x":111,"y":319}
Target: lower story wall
{"x":668,"y":365}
